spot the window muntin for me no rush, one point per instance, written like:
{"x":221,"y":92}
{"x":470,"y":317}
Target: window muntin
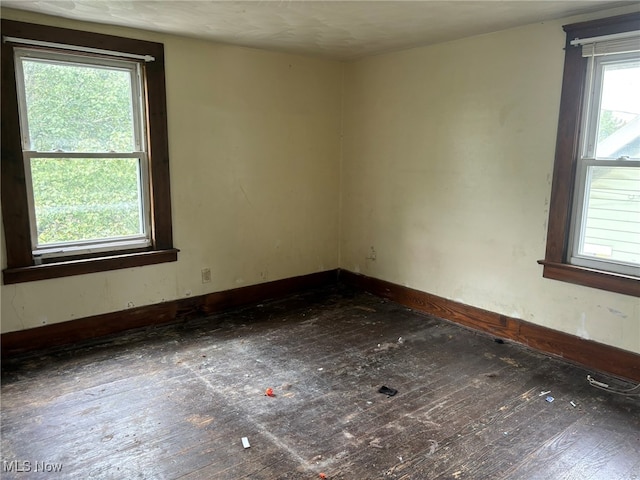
{"x":83,"y":137}
{"x":606,"y":214}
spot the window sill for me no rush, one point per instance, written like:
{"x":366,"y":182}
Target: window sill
{"x":612,"y":282}
{"x":89,"y":265}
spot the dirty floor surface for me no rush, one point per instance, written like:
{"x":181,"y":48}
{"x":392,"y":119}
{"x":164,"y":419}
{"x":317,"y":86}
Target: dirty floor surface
{"x":175,"y":402}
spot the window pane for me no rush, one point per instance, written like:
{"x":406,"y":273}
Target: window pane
{"x":612,"y":217}
{"x":619,"y":123}
{"x":87,"y":198}
{"x":78,"y":108}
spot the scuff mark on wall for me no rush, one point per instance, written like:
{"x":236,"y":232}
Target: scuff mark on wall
{"x":20,"y":311}
{"x":617,"y":313}
{"x":245,"y":195}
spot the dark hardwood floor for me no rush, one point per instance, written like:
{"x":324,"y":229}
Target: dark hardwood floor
{"x":175,"y":402}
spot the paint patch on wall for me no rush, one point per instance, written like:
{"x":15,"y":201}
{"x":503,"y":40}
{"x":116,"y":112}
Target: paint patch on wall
{"x":372,"y":255}
{"x":582,"y":329}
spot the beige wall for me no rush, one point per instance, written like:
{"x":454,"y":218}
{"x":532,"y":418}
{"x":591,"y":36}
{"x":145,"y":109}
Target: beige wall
{"x":444,"y":179}
{"x":254,"y":148}
{"x":446,"y":172}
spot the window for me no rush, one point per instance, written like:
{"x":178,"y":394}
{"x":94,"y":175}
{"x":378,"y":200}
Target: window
{"x":606,"y":220}
{"x":85,"y":183}
{"x":84,"y":152}
{"x":594,"y":222}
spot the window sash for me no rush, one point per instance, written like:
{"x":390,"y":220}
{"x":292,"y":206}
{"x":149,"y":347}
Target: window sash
{"x":61,"y":249}
{"x":592,"y":100}
{"x":578,"y":227}
{"x":134,"y":69}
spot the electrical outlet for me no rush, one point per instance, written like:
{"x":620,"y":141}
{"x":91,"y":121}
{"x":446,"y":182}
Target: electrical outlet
{"x":206,"y":275}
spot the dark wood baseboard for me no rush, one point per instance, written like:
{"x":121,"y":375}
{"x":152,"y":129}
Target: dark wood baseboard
{"x":587,"y":353}
{"x":75,"y":331}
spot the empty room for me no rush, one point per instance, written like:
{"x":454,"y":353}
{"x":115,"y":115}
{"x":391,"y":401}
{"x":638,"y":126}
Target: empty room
{"x":320,"y":239}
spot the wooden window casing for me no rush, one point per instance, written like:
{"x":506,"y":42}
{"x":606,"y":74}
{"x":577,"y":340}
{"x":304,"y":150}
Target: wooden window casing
{"x":21,"y":266}
{"x":555,"y":263}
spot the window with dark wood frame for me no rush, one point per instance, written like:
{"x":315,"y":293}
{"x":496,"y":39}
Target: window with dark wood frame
{"x":555,"y":264}
{"x":21,"y":265}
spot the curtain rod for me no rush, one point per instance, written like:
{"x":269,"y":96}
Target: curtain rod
{"x":602,"y":38}
{"x":38,"y":43}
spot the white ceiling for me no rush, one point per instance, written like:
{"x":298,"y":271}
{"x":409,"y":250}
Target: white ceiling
{"x":336,"y":29}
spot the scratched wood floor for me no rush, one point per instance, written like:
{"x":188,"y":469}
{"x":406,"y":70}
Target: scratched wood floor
{"x":174,"y":402}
